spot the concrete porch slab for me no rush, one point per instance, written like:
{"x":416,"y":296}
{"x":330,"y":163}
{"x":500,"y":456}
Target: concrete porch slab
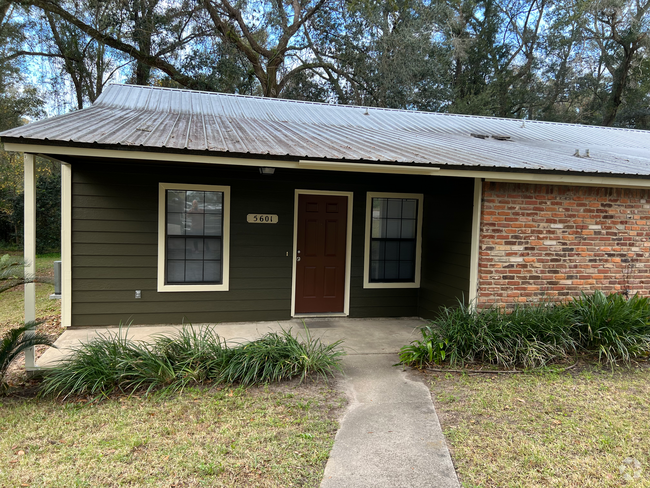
{"x":360,"y":336}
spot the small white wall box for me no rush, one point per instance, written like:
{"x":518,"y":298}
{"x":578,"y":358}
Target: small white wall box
{"x":138,"y":293}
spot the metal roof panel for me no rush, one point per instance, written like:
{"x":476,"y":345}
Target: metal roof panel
{"x":160,"y":118}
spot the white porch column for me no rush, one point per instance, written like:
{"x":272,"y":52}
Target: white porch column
{"x":30,"y":251}
{"x":476,"y":235}
{"x":66,"y":245}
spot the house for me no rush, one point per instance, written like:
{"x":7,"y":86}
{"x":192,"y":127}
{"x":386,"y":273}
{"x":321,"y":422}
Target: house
{"x":204,"y":207}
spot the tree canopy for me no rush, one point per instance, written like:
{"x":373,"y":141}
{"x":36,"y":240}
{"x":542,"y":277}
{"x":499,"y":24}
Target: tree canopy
{"x":580,"y":61}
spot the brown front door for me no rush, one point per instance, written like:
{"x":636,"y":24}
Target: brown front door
{"x":320,"y":270}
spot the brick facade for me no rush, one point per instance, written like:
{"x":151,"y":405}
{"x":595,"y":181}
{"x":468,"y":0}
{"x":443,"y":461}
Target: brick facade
{"x":552,"y":242}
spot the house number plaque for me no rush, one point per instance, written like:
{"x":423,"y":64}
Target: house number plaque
{"x":262,"y":219}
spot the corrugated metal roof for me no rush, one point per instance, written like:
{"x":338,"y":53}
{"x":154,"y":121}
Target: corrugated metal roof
{"x":137,"y":116}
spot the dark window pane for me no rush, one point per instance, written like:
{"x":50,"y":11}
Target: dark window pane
{"x":213,"y":224}
{"x":214,"y":202}
{"x":175,"y":224}
{"x":408,"y":229}
{"x":392,"y":251}
{"x":407,"y":251}
{"x":175,"y":271}
{"x":193,"y":271}
{"x":409,"y":209}
{"x":393,"y":228}
{"x":193,"y":248}
{"x":194,"y":201}
{"x":391,"y":270}
{"x":175,"y":201}
{"x":407,"y":270}
{"x":211,"y":249}
{"x":376,"y":250}
{"x":176,"y":248}
{"x":394,"y":208}
{"x":212,"y":271}
{"x":194,"y":225}
{"x":377,"y":270}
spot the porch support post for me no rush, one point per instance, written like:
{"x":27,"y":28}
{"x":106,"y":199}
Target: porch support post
{"x":29,"y":248}
{"x":476,"y":235}
{"x":66,"y":245}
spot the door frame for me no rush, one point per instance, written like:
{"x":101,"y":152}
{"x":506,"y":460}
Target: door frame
{"x":348,"y":247}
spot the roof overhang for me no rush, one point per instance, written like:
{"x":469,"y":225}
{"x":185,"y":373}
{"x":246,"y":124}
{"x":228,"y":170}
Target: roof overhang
{"x":495,"y":175}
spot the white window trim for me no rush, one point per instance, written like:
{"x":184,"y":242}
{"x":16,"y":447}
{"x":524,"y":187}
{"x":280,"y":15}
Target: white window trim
{"x":418,"y":242}
{"x":162,"y":241}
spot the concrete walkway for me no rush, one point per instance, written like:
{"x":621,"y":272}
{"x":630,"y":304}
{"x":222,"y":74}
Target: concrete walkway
{"x":389,"y":436}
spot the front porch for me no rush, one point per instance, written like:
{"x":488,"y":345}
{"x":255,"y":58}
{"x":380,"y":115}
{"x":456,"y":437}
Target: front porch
{"x":359,"y":336}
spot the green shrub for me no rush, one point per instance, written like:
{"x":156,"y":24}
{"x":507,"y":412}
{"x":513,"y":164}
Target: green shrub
{"x":279,"y":356}
{"x":112,"y":362}
{"x":613,"y":326}
{"x":431,"y":349}
{"x":532,"y":335}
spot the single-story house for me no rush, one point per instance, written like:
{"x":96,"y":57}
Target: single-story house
{"x":184,"y":206}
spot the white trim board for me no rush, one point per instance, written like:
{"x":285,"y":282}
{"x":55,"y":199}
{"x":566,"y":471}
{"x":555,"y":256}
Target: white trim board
{"x":66,"y":245}
{"x":476,"y":240}
{"x":348,"y":246}
{"x":29,"y":250}
{"x":418,"y":242}
{"x":162,"y":242}
{"x":497,"y":176}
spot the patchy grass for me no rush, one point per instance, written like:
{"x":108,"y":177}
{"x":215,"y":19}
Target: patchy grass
{"x":268,"y":437}
{"x":12,"y":302}
{"x":586,"y":429}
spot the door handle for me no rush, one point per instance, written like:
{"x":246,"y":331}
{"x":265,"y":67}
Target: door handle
{"x":298,"y":258}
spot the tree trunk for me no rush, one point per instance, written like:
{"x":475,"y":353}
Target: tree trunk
{"x":618,"y":87}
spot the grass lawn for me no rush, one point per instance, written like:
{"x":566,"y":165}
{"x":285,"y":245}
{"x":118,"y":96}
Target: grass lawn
{"x":571,"y":429}
{"x":12,"y":302}
{"x":277,"y":436}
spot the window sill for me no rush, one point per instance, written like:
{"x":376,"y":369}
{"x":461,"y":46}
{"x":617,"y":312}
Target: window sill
{"x":391,"y":285}
{"x":184,"y":288}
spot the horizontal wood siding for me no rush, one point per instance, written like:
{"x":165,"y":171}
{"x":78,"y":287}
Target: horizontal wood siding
{"x":446,"y":241}
{"x":115,"y":244}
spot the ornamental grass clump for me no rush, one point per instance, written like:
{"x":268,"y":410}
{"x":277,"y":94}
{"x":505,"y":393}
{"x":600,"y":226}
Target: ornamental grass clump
{"x":533,"y":335}
{"x":530,"y":336}
{"x":614,"y":327}
{"x":113,"y":363}
{"x":280,"y":356}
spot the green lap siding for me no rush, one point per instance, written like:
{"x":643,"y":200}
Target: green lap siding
{"x":446,"y":237}
{"x":115,"y":243}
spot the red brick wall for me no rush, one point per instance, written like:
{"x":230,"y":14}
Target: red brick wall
{"x":547,"y":241}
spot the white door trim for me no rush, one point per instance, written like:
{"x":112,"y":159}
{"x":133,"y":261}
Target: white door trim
{"x":348,"y":245}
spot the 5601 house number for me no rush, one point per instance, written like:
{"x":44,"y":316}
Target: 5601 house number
{"x":262,"y":219}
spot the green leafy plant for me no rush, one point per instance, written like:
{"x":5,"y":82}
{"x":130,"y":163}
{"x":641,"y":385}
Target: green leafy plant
{"x":112,"y":362}
{"x":533,"y":335}
{"x":279,"y":356}
{"x":430,"y":349}
{"x":16,"y":341}
{"x":615,"y":327}
{"x":529,"y":335}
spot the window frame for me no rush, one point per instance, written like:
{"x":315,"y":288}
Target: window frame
{"x":368,"y":238}
{"x":162,"y":239}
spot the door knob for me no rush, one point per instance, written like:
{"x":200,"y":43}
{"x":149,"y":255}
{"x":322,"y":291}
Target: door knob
{"x":298,"y":258}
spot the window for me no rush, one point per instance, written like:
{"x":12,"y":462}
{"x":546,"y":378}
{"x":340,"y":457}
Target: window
{"x":393,"y":240}
{"x":193,"y":237}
